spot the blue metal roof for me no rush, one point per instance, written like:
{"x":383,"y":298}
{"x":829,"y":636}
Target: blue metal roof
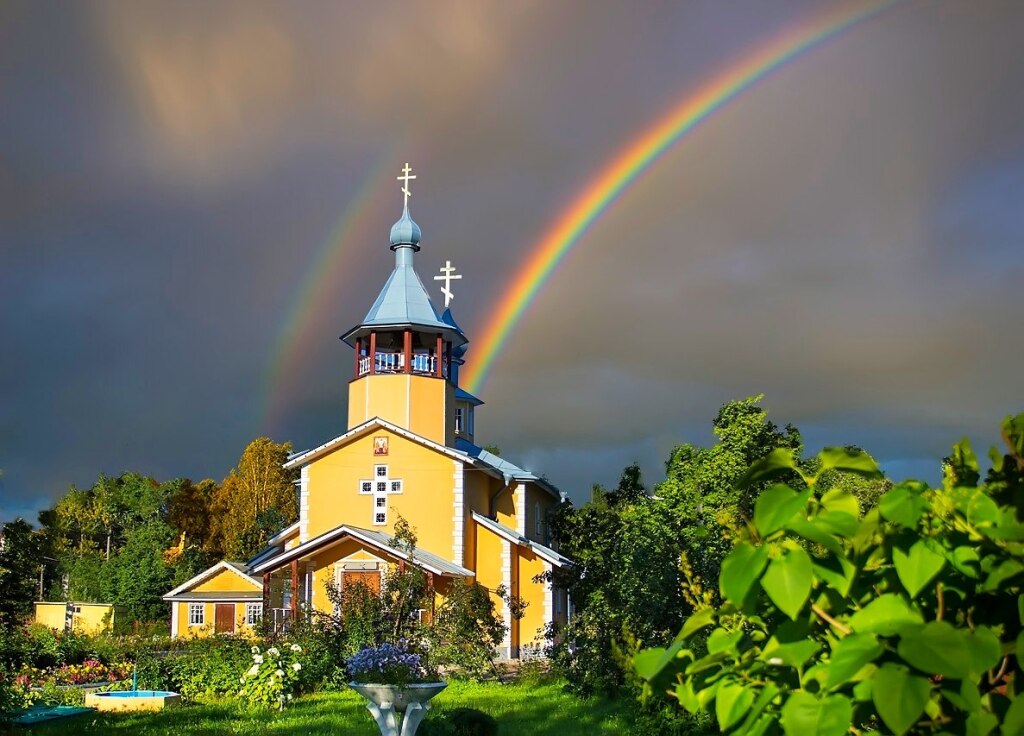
{"x":404,"y":302}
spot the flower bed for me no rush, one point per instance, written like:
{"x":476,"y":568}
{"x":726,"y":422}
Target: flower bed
{"x":90,"y":672}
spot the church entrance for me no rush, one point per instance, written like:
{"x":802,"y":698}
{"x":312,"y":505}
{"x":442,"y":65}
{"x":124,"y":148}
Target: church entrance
{"x":224,"y":619}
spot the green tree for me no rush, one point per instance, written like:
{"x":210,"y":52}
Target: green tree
{"x":906,"y":619}
{"x":20,"y":557}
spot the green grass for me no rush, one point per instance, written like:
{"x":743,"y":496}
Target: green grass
{"x":520,"y":709}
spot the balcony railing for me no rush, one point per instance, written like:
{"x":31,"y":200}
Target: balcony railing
{"x":423,"y":363}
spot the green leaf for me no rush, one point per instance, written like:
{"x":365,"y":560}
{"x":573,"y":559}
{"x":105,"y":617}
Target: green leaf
{"x":903,"y":504}
{"x":805,"y":715}
{"x":885,"y":615}
{"x":792,"y":654}
{"x":981,"y":723}
{"x":936,"y":648}
{"x":917,"y":568}
{"x":899,"y":697}
{"x":1019,"y":648}
{"x":838,"y":522}
{"x":724,"y":641}
{"x":849,"y":656}
{"x":696,"y":622}
{"x":1013,"y":721}
{"x":731,"y":704}
{"x":776,"y":506}
{"x":962,"y":558}
{"x":812,"y":533}
{"x":849,"y":461}
{"x":740,"y":570}
{"x":985,"y":650}
{"x":776,"y":463}
{"x":840,"y":500}
{"x":1006,"y":570}
{"x":788,"y":581}
{"x":768,"y":693}
{"x":982,"y":511}
{"x":648,"y":663}
{"x":837,"y":573}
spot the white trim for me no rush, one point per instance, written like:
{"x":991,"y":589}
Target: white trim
{"x":202,"y":610}
{"x":458,"y":513}
{"x":521,"y":508}
{"x":549,"y":597}
{"x":364,"y":428}
{"x":303,"y":504}
{"x":259,"y":613}
{"x":286,"y":532}
{"x":408,"y":400}
{"x":210,"y":572}
{"x":174,"y":620}
{"x":339,"y":532}
{"x":545,"y":553}
{"x":506,"y":580}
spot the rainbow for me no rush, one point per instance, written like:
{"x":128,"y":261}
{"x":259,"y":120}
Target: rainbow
{"x":299,"y":330}
{"x":622,"y":169}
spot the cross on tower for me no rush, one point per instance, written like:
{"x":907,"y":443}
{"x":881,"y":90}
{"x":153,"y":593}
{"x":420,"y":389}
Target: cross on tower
{"x":447,"y":276}
{"x":405,"y":178}
{"x":380,"y":488}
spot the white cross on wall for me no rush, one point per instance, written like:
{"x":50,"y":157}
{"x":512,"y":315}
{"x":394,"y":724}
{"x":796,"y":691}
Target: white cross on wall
{"x":447,"y":276}
{"x":380,"y":488}
{"x":407,"y":175}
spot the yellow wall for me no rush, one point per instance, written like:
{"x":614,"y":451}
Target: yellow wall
{"x":421,"y":404}
{"x":184,"y":630}
{"x":531,"y":626}
{"x":426,"y":500}
{"x":91,"y":619}
{"x":225,"y":581}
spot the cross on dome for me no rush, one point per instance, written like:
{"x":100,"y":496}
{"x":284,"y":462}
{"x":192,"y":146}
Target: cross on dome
{"x":405,"y":178}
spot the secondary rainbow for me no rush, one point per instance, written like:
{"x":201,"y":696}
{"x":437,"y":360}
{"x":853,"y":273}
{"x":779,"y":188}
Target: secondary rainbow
{"x":297,"y":333}
{"x":622,"y":169}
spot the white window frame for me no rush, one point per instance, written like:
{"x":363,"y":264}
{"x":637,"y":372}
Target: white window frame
{"x":538,"y":526}
{"x":193,"y":618}
{"x":253,"y":613}
{"x":460,"y":420}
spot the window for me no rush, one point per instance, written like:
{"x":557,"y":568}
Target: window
{"x":253,"y":613}
{"x":196,"y":614}
{"x":459,"y":423}
{"x":557,"y":593}
{"x":382,"y":502}
{"x":366,"y":487}
{"x":380,"y":517}
{"x":396,"y":486}
{"x":382,"y":487}
{"x":537,"y":522}
{"x":381,"y":471}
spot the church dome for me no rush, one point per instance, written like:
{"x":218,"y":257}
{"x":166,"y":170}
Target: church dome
{"x":405,"y":231}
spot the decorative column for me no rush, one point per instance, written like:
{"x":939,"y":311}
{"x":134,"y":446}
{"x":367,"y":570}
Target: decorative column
{"x":359,"y":351}
{"x":407,"y":350}
{"x":373,"y":353}
{"x":437,"y":354}
{"x":295,"y":590}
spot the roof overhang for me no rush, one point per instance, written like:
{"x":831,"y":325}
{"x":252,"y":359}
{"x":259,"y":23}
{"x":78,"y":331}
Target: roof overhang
{"x":546,"y":553}
{"x":428,"y":561}
{"x":209,"y":573}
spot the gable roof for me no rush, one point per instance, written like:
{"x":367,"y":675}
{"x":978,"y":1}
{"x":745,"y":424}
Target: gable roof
{"x":464,"y":451}
{"x":377,"y":539}
{"x":236,"y":567}
{"x":555,"y":558}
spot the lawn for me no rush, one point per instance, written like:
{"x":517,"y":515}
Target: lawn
{"x":521,"y":710}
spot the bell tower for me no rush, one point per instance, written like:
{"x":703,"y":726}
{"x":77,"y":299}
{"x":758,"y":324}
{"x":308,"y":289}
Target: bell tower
{"x":404,"y":348}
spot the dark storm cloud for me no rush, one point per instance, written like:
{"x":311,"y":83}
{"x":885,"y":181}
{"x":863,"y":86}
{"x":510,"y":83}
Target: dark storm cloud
{"x":845,"y":238}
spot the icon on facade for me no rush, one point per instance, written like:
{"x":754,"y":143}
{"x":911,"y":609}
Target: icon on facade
{"x":380,"y":445}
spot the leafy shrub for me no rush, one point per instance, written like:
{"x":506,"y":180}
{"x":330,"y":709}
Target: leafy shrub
{"x":47,"y":647}
{"x":10,"y":695}
{"x":909,"y":619}
{"x":206,"y":666}
{"x":273,"y":679}
{"x":466,"y":631}
{"x":389,"y":664}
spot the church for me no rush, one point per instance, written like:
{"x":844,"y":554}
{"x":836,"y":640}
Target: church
{"x":409,"y":449}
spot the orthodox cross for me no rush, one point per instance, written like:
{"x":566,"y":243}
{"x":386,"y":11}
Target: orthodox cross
{"x":447,"y":276}
{"x":406,"y":176}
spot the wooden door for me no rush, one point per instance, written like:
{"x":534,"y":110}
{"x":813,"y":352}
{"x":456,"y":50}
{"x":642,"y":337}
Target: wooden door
{"x":369,"y":578}
{"x":224,"y":620}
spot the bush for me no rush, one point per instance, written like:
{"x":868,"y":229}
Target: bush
{"x":50,"y":648}
{"x":206,"y":666}
{"x":909,"y":619}
{"x":274,"y":677}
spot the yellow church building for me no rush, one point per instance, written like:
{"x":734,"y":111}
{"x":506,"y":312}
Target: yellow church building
{"x":409,"y":450}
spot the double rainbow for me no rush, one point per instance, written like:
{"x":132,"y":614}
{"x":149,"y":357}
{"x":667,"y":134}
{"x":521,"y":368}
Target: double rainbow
{"x":566,"y":231}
